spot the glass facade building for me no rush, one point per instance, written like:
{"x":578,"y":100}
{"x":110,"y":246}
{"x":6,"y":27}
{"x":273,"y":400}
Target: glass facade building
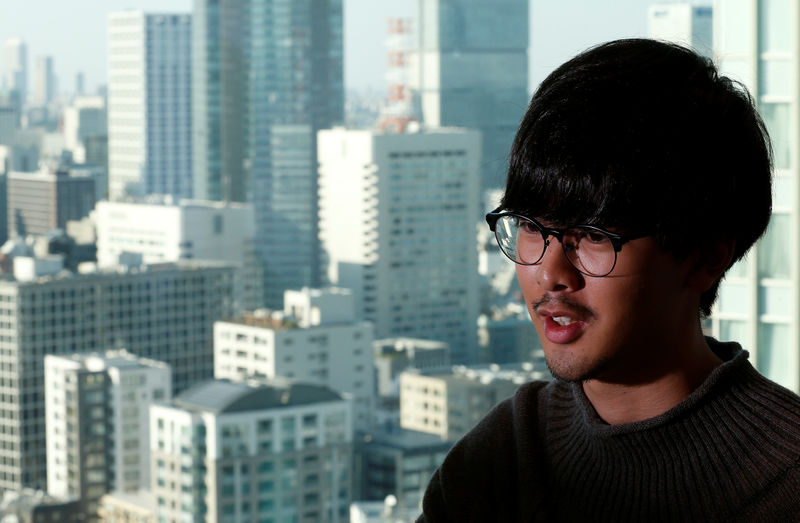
{"x":756,"y":43}
{"x":267,"y":75}
{"x":469,"y":68}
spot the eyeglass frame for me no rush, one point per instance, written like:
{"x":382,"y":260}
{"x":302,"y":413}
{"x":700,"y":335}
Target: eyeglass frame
{"x":617,"y":240}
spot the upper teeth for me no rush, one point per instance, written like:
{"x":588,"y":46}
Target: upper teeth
{"x":563,"y":320}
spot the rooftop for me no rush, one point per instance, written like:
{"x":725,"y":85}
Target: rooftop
{"x":220,"y":396}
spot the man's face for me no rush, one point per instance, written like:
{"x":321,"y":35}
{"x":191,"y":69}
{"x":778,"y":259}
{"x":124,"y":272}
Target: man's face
{"x":618,"y":328}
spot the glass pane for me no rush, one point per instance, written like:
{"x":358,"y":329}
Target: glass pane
{"x":735,"y":26}
{"x":774,"y":360}
{"x":773,"y":249}
{"x":774,"y":301}
{"x":782,"y":187}
{"x":775,"y":30}
{"x":734,"y":297}
{"x":733,"y":330}
{"x":739,"y":269}
{"x":776,"y":117}
{"x":775,"y":77}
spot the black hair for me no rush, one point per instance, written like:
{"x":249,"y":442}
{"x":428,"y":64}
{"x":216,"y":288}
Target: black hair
{"x":645,"y":137}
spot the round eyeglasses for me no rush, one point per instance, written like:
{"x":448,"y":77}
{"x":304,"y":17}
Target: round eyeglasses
{"x":591,"y":250}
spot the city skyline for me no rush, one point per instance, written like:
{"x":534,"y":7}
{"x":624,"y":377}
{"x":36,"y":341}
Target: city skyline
{"x":558,"y":30}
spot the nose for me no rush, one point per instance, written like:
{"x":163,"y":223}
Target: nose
{"x":555,"y":272}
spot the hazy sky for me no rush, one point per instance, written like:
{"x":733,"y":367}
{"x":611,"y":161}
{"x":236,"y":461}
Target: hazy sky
{"x":73,"y":32}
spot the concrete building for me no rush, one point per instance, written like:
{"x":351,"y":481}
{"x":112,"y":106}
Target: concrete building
{"x":755,"y":42}
{"x":682,"y":23}
{"x":42,"y":201}
{"x":162,"y":230}
{"x":317,"y":338}
{"x":507,"y":335}
{"x":84,"y":120}
{"x":98,"y":423}
{"x":15,"y":68}
{"x":469,"y":68}
{"x":159,"y":312}
{"x":266,"y":77}
{"x":397,"y":222}
{"x":394,"y":355}
{"x":450,"y":404}
{"x":149,"y":104}
{"x":224,"y":451}
{"x":396,"y":463}
{"x":37,"y":506}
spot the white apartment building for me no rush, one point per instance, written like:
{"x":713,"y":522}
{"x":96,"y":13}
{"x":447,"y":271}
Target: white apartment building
{"x":162,"y":230}
{"x":450,"y":404}
{"x":756,"y":42}
{"x":682,"y":23}
{"x":97,"y":423}
{"x":149,"y":104}
{"x":229,"y":452}
{"x":164,"y":313}
{"x":317,"y":338}
{"x":397,"y":220}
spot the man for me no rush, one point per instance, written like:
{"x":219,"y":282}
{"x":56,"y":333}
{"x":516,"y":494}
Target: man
{"x":637,"y":178}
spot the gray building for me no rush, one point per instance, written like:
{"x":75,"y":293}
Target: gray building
{"x":399,"y":463}
{"x":161,"y":312}
{"x":266,"y":76}
{"x":394,"y":355}
{"x":43,"y":201}
{"x":469,"y":68}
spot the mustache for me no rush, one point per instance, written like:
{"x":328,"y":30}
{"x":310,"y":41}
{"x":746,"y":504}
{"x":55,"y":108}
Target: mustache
{"x":563,"y":302}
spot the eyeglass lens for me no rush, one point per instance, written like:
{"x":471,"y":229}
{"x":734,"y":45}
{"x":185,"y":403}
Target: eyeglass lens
{"x":590,"y":251}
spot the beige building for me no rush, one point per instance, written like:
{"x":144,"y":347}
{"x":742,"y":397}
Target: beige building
{"x":448,"y":405}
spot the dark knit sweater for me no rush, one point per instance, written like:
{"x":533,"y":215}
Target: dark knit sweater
{"x":728,"y":452}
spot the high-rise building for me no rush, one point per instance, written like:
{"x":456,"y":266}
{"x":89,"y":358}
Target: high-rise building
{"x":43,"y":201}
{"x":316,"y":339}
{"x":164,"y":313}
{"x":224,"y":451}
{"x":469,"y":68}
{"x":397,"y":222}
{"x":97,"y":408}
{"x":682,"y":23}
{"x":160,"y":230}
{"x":44,"y":81}
{"x":759,"y":300}
{"x":267,"y":75}
{"x":15,"y":68}
{"x":149,"y":104}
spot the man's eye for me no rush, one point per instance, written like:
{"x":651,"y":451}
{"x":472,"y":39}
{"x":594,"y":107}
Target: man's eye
{"x":594,"y":237}
{"x":528,"y":227}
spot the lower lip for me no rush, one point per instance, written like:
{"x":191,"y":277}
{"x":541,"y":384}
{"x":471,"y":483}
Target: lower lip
{"x":562,"y":333}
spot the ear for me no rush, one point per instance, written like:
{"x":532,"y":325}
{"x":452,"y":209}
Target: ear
{"x":710,"y":263}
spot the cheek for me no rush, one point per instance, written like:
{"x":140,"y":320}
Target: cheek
{"x":526,"y":276}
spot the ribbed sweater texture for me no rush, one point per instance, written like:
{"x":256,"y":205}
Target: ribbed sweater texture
{"x":728,"y":452}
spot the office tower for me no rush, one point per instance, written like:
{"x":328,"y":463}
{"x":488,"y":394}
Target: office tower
{"x":759,"y":300}
{"x":164,"y":313}
{"x":317,"y":338}
{"x":162,"y":231}
{"x":682,"y":23}
{"x":507,"y":335}
{"x":43,"y":201}
{"x":82,"y":121}
{"x":397,"y":222}
{"x":44,"y":81}
{"x":224,"y":451}
{"x":267,"y":75}
{"x":15,"y":68}
{"x":80,"y":80}
{"x":149,"y":104}
{"x":399,"y":463}
{"x":97,"y":408}
{"x":469,"y":68}
{"x":449,"y":404}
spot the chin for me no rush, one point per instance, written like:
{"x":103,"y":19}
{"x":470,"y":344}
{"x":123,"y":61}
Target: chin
{"x":574,"y":371}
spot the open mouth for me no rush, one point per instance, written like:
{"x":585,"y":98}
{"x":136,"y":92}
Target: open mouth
{"x":564,"y":320}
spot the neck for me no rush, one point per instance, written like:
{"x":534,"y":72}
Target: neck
{"x":618,"y":403}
